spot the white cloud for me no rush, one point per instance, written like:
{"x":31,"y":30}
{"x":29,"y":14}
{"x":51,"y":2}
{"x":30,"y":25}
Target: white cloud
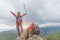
{"x":40,"y":11}
{"x":4,"y":27}
{"x":49,"y":24}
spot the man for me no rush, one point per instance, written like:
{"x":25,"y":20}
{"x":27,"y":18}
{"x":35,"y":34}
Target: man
{"x":31,"y":27}
{"x":18,"y":21}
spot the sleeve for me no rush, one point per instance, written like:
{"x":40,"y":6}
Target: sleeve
{"x":30,"y":27}
{"x":13,"y":13}
{"x":23,"y":15}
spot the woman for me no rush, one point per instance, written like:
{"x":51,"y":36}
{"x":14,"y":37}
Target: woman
{"x":18,"y":21}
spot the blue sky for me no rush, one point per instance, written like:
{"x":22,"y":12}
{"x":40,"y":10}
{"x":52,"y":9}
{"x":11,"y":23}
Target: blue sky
{"x":42,"y":12}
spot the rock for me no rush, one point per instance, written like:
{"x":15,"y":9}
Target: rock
{"x":22,"y":37}
{"x":36,"y":37}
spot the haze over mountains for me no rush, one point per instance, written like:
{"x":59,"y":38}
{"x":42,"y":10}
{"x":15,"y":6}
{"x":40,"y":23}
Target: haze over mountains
{"x":43,"y":30}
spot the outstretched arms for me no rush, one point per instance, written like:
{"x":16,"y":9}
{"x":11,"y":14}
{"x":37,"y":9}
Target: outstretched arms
{"x":13,"y":13}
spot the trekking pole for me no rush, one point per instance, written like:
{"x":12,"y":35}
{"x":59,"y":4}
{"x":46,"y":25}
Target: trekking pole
{"x":25,"y":11}
{"x":25,"y":8}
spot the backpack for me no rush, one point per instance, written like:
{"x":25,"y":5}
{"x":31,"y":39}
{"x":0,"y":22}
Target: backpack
{"x":18,"y":18}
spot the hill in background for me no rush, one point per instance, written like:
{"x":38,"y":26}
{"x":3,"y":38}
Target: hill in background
{"x":50,"y":33}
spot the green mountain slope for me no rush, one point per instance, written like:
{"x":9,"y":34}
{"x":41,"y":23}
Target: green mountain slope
{"x":11,"y":35}
{"x":8,"y":36}
{"x":54,"y":36}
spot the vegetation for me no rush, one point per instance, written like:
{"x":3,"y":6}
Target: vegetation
{"x":7,"y":36}
{"x":54,"y":36}
{"x":13,"y":35}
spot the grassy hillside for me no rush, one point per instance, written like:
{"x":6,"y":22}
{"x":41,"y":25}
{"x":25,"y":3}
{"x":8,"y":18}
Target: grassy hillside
{"x":54,"y":36}
{"x":7,"y":36}
{"x":12,"y":36}
{"x":50,"y":33}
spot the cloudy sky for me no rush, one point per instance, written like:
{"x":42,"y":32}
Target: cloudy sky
{"x":42,"y":12}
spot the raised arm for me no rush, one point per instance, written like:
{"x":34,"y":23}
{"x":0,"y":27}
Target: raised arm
{"x":13,"y":13}
{"x":23,"y":15}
